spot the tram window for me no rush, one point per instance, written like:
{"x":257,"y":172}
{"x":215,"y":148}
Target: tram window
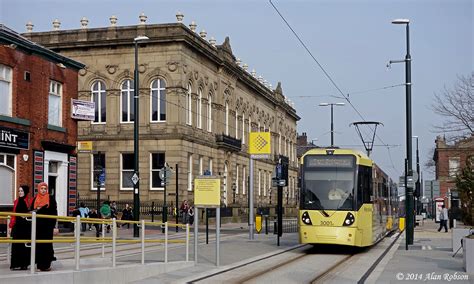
{"x":364,"y":186}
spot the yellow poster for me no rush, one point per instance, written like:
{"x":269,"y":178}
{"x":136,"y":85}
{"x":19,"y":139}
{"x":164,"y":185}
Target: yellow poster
{"x":259,"y":143}
{"x":207,"y":191}
{"x":84,"y":146}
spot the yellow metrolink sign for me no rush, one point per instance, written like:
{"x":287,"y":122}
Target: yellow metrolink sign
{"x":207,"y":191}
{"x":259,"y":143}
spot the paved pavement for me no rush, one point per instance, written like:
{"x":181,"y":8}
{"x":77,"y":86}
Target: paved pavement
{"x":429,"y":259}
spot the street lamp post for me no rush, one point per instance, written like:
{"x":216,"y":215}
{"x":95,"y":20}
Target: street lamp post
{"x":332,"y":118}
{"x":409,"y":191}
{"x":136,"y":176}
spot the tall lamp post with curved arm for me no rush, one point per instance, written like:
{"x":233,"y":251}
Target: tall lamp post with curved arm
{"x":332,"y":118}
{"x":409,"y":190}
{"x":136,"y":176}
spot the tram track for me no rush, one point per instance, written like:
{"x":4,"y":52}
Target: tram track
{"x":301,"y":265}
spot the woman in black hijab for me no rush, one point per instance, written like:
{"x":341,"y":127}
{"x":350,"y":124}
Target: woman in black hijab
{"x":21,"y":230}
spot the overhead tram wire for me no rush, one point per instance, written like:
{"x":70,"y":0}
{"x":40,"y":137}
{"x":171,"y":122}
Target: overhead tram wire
{"x":327,"y":75}
{"x":351,"y":93}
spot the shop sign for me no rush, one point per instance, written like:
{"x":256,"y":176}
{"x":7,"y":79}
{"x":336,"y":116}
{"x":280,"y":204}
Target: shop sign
{"x":12,"y":138}
{"x":83,"y":110}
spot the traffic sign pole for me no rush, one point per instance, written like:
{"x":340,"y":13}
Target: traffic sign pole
{"x":251,"y":201}
{"x":165,"y":208}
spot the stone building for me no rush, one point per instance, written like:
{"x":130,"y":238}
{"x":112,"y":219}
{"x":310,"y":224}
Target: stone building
{"x":37,"y":134}
{"x":197,"y":105}
{"x":449,"y":160}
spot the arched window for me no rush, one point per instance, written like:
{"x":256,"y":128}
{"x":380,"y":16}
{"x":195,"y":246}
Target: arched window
{"x":226,"y":118}
{"x":189,"y":109}
{"x":243,"y":128}
{"x":236,"y":125}
{"x":99,"y":98}
{"x":209,"y":113}
{"x":128,"y":104}
{"x":158,"y":100}
{"x":199,"y":109}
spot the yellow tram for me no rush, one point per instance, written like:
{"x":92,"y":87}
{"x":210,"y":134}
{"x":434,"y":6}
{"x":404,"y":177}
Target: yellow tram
{"x":345,"y":199}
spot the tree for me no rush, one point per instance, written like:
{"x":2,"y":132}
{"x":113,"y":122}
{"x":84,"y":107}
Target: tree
{"x":456,"y":105}
{"x":465,"y":186}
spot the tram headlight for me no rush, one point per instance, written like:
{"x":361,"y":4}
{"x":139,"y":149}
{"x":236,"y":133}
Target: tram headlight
{"x":305,"y":218}
{"x":350,"y":219}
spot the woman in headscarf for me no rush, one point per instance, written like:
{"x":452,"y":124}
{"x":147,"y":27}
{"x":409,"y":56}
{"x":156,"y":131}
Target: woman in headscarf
{"x":20,"y":230}
{"x":44,"y":204}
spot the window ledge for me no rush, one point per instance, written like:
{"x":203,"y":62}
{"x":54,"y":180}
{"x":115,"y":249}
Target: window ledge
{"x":16,"y":120}
{"x":56,"y":128}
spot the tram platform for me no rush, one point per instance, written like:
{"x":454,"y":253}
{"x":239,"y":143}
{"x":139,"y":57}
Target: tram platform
{"x":430,"y":259}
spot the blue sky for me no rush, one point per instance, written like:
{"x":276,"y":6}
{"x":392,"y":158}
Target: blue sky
{"x":352,"y":40}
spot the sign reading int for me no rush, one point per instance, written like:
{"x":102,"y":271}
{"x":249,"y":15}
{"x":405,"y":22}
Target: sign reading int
{"x":207,"y":191}
{"x":12,"y":138}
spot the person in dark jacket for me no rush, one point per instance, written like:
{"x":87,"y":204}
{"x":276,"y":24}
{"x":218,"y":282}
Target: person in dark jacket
{"x":44,"y":204}
{"x":127,"y":215}
{"x":20,"y":230}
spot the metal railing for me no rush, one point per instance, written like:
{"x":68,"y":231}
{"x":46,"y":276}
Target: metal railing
{"x":78,"y":240}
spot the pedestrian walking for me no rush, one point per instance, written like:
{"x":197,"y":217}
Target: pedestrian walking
{"x":443,"y":219}
{"x":44,"y":204}
{"x":95,"y":215}
{"x":113,"y":210}
{"x":106,"y":213}
{"x":20,"y":229}
{"x":184,"y":211}
{"x":127,"y":215}
{"x":191,"y":215}
{"x":84,"y":210}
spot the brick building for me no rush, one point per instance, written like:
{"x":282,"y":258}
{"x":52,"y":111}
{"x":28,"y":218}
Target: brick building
{"x":198,"y":104}
{"x":449,"y":160}
{"x":38,"y":135}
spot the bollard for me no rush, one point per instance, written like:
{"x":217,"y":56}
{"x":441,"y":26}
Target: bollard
{"x":77,"y":234}
{"x":275,"y":229}
{"x":187,"y":242}
{"x":143,"y":240}
{"x":114,"y":239}
{"x":33,"y":243}
{"x":166,"y":242}
{"x":266,"y":225}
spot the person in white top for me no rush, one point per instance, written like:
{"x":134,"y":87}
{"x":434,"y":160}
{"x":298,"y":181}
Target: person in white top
{"x":443,"y":219}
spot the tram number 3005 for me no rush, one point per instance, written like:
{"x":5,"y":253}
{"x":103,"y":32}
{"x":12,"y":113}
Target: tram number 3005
{"x":326,"y":223}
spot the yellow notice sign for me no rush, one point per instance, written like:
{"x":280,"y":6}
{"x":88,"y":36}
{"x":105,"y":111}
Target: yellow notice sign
{"x":207,"y":191}
{"x":259,"y":143}
{"x":84,"y":146}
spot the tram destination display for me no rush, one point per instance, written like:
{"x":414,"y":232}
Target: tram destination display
{"x":314,"y":161}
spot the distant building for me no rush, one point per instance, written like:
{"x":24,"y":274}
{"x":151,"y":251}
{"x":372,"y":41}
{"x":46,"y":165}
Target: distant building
{"x":198,"y":104}
{"x":450,"y":159}
{"x":37,"y":134}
